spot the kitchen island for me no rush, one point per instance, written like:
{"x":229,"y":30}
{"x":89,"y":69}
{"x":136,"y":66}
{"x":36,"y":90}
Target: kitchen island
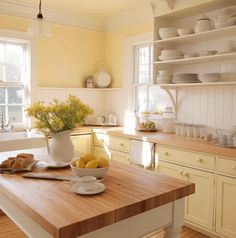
{"x":135,"y":203}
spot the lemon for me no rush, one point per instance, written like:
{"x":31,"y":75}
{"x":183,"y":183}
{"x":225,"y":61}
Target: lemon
{"x":93,"y":164}
{"x":102,"y":162}
{"x":88,"y":158}
{"x":80,"y":163}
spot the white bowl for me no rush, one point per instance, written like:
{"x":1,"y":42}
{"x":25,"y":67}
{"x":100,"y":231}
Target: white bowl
{"x":209,"y":77}
{"x":185,"y":31}
{"x":98,"y":172}
{"x":171,"y":52}
{"x":166,"y":33}
{"x":164,"y":72}
{"x":170,"y":57}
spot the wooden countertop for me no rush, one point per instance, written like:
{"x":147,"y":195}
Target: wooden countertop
{"x":189,"y":143}
{"x":130,"y":191}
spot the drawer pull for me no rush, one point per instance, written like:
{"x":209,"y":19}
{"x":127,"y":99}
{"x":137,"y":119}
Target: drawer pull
{"x":121,"y":144}
{"x":180,"y":172}
{"x":233,"y":167}
{"x":166,"y":153}
{"x":200,"y":160}
{"x":185,"y":174}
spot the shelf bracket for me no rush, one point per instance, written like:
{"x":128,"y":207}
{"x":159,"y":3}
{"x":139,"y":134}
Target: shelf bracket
{"x":173,"y":97}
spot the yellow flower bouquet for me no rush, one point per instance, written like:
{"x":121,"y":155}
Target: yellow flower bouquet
{"x":59,"y":116}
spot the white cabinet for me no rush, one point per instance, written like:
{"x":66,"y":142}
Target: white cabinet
{"x":111,"y":147}
{"x":199,"y":206}
{"x":82,"y":143}
{"x":226,"y":194}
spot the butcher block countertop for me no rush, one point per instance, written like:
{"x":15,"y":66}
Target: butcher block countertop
{"x":130,"y":191}
{"x":189,"y":143}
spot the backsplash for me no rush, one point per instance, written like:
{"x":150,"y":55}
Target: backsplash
{"x":213,"y":107}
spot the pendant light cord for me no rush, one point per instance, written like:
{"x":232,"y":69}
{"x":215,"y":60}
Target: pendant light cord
{"x":40,"y":15}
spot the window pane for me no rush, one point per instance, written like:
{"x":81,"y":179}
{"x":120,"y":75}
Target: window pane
{"x":1,"y":53}
{"x":16,"y":113}
{"x":13,"y":73}
{"x":15,"y":95}
{"x":2,"y":114}
{"x":141,"y":98}
{"x":2,"y":96}
{"x":1,"y":73}
{"x":157,"y":99}
{"x":144,"y":55}
{"x":143,"y":74}
{"x":14,"y":54}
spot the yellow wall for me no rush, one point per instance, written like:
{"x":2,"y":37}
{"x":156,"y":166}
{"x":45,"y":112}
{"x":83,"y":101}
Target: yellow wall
{"x":114,"y":48}
{"x":66,"y":58}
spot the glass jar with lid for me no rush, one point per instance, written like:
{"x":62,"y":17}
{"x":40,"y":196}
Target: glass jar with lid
{"x":168,"y":119}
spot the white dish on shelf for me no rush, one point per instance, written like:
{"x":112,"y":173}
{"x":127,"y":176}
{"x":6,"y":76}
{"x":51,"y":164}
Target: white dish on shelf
{"x":102,"y":79}
{"x":185,"y":31}
{"x":209,"y":77}
{"x":170,"y":57}
{"x":166,"y":33}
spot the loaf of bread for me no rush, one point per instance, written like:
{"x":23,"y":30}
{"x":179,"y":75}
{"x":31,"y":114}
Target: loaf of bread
{"x":21,"y":161}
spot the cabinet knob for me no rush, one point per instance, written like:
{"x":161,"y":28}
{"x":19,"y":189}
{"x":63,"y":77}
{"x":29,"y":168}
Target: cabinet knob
{"x":185,"y":174}
{"x":233,"y":167}
{"x":200,"y":160}
{"x":180,"y":172}
{"x":121,"y":144}
{"x":166,"y":153}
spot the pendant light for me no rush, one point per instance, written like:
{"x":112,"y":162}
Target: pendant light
{"x":39,"y":27}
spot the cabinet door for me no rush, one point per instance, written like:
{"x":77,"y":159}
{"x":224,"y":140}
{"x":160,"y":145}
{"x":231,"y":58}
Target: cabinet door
{"x":199,"y":206}
{"x":82,"y":143}
{"x":120,"y":156}
{"x":226,"y":206}
{"x":102,"y":152}
{"x":170,"y":169}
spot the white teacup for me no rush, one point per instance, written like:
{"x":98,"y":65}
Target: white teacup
{"x":88,"y":183}
{"x":100,"y":120}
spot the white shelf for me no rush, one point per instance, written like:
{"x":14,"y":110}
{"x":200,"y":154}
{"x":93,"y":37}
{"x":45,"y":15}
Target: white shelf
{"x":181,"y":85}
{"x":201,"y":59}
{"x":202,"y":36}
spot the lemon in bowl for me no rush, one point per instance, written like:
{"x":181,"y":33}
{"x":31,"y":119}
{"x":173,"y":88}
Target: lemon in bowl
{"x":89,"y":165}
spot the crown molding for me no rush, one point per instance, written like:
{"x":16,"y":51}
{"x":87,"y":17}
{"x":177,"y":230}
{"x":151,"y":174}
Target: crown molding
{"x":131,"y":17}
{"x":19,"y":9}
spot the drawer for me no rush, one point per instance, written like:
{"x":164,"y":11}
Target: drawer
{"x":120,"y":156}
{"x":226,"y":166}
{"x":120,"y":144}
{"x":181,"y":157}
{"x":100,"y":139}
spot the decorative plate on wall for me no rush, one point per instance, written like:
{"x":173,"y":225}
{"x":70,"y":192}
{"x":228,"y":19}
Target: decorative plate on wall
{"x":102,"y":79}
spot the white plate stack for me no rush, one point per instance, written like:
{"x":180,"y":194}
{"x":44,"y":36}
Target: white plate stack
{"x":171,"y":55}
{"x":185,"y":78}
{"x":164,"y":77}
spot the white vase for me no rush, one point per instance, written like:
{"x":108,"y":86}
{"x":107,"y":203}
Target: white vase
{"x":61,"y":148}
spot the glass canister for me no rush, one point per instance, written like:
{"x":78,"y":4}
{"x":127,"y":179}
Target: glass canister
{"x":168,"y":119}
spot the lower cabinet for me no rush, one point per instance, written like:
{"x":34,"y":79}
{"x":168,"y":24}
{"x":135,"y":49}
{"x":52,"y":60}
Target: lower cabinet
{"x":120,"y":156}
{"x":199,"y":207}
{"x":82,"y":143}
{"x":226,"y":206}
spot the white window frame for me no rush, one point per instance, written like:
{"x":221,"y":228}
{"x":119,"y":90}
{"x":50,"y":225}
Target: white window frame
{"x":30,"y":92}
{"x":129,"y":66}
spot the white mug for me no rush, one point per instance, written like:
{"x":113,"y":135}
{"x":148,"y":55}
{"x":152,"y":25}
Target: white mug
{"x":100,"y":120}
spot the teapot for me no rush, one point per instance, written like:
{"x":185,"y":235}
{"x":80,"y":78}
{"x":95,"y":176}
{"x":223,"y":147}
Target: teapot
{"x":203,"y":24}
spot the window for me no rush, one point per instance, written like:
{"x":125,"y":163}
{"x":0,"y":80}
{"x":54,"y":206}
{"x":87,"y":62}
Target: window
{"x":14,"y":79}
{"x":147,"y":97}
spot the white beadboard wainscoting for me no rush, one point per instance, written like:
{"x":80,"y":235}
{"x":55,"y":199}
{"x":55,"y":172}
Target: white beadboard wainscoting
{"x":94,"y":98}
{"x":214,"y":107}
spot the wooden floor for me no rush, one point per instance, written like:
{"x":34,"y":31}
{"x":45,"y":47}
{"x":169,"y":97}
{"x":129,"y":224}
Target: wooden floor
{"x":9,"y":230}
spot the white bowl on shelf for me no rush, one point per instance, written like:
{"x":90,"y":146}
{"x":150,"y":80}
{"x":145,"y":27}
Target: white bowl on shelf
{"x":166,"y":33}
{"x":171,"y":52}
{"x":209,"y":77}
{"x":185,"y":31}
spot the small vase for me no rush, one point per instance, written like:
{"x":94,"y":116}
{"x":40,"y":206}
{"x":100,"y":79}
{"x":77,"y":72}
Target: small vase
{"x":61,"y":148}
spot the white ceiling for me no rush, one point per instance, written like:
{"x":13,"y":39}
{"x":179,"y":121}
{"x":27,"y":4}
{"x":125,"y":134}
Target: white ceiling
{"x":96,"y":8}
